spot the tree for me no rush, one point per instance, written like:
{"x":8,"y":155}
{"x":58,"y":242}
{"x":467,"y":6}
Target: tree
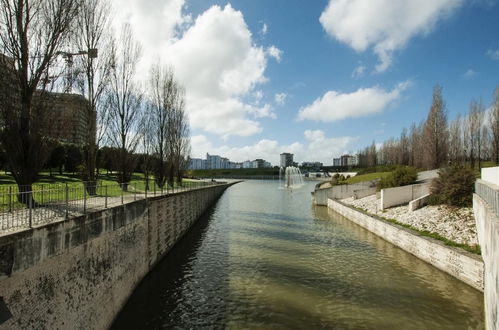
{"x":474,"y":131}
{"x":57,"y":158}
{"x":456,"y":141}
{"x":31,"y":34}
{"x":162,"y":87}
{"x":494,"y":126}
{"x":435,"y":132}
{"x":179,"y":140}
{"x":125,"y":104}
{"x":404,"y":153}
{"x":92,"y":33}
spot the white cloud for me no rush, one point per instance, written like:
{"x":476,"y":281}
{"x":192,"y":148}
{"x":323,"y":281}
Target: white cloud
{"x":275,"y":52}
{"x":470,"y":73}
{"x":358,"y":71}
{"x":280,"y":98}
{"x":383,"y":25}
{"x":493,"y":54}
{"x":213,"y":56}
{"x":363,"y":102}
{"x":264,"y":29}
{"x":317,"y":147}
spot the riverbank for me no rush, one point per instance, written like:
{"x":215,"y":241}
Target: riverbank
{"x":455,"y":224}
{"x":463,"y":265}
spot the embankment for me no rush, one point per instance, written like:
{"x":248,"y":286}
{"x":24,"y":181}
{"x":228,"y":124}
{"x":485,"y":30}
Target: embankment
{"x":461,"y":264}
{"x":79,"y":273}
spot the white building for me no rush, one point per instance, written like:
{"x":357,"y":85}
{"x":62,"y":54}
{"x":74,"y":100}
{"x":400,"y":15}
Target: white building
{"x":197,"y":164}
{"x":286,"y":159}
{"x":213,"y":162}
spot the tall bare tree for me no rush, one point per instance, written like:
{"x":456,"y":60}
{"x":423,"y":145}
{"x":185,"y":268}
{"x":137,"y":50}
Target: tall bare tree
{"x":456,"y":140}
{"x":435,"y":135}
{"x":474,"y":131}
{"x":31,"y":34}
{"x":92,"y":35}
{"x":179,"y":138}
{"x":125,"y":104}
{"x":162,"y":89}
{"x":494,"y":126}
{"x":404,"y":153}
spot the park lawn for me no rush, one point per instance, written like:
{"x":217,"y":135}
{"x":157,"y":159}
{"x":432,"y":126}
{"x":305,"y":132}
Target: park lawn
{"x":51,"y":189}
{"x":366,"y":177}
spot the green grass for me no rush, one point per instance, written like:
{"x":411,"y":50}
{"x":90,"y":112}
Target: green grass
{"x":366,"y":177}
{"x":51,"y":189}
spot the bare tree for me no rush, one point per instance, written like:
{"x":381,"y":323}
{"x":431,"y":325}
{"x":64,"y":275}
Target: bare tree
{"x":179,"y":138}
{"x":474,"y":131}
{"x":125,"y":104}
{"x":494,"y":126}
{"x":92,"y":35}
{"x":404,"y":154}
{"x":435,"y":135}
{"x":162,"y":88}
{"x":31,"y":34}
{"x":456,"y":140}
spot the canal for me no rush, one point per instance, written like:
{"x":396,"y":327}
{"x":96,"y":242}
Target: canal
{"x":266,"y":258}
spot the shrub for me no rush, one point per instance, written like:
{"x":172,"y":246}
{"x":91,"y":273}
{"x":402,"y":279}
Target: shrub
{"x":401,"y":176}
{"x":454,"y":186}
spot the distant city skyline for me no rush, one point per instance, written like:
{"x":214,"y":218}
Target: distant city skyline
{"x":260,"y":81}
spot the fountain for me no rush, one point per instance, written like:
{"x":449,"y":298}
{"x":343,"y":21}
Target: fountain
{"x":291,"y":176}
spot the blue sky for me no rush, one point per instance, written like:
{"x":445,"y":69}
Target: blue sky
{"x":316,"y":78}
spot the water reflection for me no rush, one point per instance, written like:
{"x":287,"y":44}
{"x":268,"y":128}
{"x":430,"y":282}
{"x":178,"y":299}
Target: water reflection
{"x":264,"y":259}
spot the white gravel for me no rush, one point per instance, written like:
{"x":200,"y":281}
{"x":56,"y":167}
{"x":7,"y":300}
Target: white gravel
{"x":456,"y":224}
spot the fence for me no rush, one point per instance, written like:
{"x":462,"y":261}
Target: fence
{"x":45,"y":204}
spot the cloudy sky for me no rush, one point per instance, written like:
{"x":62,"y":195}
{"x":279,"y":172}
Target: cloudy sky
{"x":315,"y":78}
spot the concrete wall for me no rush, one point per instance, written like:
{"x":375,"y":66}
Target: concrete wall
{"x":361,"y":193}
{"x":337,"y":192}
{"x":485,"y":208}
{"x":79,"y":273}
{"x":465,"y":266}
{"x":491,"y":174}
{"x":418,"y":202}
{"x":402,"y":195}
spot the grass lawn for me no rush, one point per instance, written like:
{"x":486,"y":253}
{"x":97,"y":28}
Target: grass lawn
{"x":366,"y":177}
{"x":51,"y":189}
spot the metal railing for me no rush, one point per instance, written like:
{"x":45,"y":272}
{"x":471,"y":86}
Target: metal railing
{"x":490,"y":194}
{"x":51,"y":203}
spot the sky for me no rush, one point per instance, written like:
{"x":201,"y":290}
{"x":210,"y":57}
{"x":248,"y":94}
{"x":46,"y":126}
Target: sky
{"x":315,"y":78}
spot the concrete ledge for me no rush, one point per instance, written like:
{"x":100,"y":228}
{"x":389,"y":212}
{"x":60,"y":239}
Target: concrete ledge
{"x":463,"y":265}
{"x":418,"y":202}
{"x":491,"y":175}
{"x":402,"y":195}
{"x":361,"y":193}
{"x":487,"y":222}
{"x":338,"y":192}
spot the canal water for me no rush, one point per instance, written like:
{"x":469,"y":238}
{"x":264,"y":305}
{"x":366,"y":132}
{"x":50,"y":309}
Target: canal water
{"x":266,"y":258}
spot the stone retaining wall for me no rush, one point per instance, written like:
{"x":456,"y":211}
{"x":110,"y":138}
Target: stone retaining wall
{"x":79,"y":273}
{"x":465,"y":266}
{"x":485,"y":202}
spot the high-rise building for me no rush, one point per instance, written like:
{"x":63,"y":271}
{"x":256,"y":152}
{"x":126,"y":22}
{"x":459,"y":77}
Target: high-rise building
{"x":286,"y":159}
